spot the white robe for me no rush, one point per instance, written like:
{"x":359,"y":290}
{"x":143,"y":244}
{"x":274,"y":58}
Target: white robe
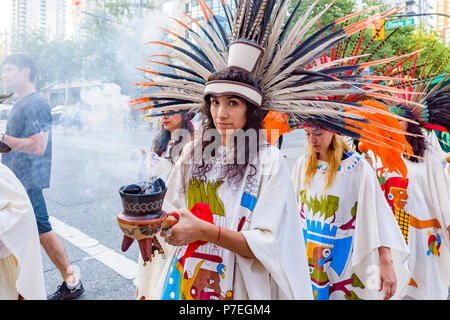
{"x":344,"y":228}
{"x":425,"y":198}
{"x":263,"y":208}
{"x":19,"y":237}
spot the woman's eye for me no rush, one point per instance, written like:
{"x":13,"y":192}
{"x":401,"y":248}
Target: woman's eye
{"x":233,"y":103}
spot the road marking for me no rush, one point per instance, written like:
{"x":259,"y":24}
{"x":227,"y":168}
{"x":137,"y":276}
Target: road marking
{"x":122,"y":265}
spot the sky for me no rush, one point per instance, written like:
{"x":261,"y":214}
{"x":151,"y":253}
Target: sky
{"x":5,"y":9}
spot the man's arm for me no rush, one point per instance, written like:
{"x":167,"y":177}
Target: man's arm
{"x":35,"y":144}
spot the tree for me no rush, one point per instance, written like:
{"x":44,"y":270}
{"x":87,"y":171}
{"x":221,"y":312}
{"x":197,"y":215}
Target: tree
{"x":106,"y":49}
{"x":58,"y":60}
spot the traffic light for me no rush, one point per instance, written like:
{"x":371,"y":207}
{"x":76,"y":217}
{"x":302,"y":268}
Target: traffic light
{"x":76,"y":10}
{"x":378,"y":26}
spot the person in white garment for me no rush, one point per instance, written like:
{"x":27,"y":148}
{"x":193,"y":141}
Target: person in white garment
{"x":354,"y":246}
{"x":252,"y":249}
{"x":421,"y":205}
{"x":167,"y":145}
{"x":21,"y":272}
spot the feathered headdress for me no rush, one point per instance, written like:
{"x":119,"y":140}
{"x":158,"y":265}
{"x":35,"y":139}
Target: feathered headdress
{"x":280,"y":55}
{"x":430,"y":88}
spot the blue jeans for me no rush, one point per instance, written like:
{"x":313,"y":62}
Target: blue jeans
{"x":40,"y":210}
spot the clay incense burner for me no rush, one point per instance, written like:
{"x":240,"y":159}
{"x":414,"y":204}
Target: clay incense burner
{"x":142,"y":217}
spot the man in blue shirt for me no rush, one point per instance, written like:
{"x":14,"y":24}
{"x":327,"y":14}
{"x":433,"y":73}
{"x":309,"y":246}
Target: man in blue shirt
{"x":29,"y":135}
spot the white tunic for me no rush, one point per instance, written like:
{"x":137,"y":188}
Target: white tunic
{"x":343,"y":229}
{"x":19,"y":236}
{"x":263,"y":208}
{"x":421,"y":204}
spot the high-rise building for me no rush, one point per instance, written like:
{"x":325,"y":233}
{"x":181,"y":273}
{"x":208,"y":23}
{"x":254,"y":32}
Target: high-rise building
{"x":49,"y":15}
{"x":442,"y":22}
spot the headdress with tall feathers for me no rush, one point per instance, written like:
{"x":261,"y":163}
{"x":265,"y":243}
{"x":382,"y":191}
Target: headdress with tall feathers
{"x":280,"y":56}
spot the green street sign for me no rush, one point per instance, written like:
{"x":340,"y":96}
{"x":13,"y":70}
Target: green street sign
{"x":399,"y":23}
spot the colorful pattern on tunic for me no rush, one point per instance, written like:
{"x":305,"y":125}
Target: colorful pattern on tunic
{"x":208,"y":274}
{"x":410,"y":201}
{"x":201,"y":276}
{"x":328,"y":247}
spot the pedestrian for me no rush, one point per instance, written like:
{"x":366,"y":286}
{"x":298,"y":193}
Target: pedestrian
{"x":164,"y":146}
{"x":421,"y":205}
{"x":21,"y":273}
{"x":347,"y":225}
{"x":29,"y":135}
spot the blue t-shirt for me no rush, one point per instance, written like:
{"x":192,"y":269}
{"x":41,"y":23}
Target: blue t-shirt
{"x":29,"y":116}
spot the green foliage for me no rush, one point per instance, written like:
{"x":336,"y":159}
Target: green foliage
{"x":101,"y":49}
{"x":58,"y":59}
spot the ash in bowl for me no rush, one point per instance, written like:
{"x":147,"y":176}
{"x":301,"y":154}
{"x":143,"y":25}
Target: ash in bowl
{"x":149,"y":187}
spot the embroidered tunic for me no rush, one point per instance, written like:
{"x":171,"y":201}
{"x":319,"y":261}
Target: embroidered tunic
{"x":421,"y":205}
{"x":343,"y":229}
{"x":263,"y":208}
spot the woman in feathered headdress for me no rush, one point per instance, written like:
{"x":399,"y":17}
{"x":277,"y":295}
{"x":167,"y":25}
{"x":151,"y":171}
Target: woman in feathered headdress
{"x":235,"y":77}
{"x":248,"y":251}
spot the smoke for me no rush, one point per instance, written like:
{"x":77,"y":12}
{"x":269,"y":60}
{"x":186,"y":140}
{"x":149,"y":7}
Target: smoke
{"x":110,"y":137}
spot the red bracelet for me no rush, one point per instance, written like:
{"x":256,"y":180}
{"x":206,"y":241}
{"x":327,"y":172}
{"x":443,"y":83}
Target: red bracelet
{"x":218,"y":237}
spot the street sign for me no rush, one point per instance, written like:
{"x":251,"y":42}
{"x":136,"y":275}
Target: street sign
{"x":399,"y":23}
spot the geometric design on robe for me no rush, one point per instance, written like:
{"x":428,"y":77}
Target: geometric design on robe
{"x":325,"y":251}
{"x":434,"y":243}
{"x":200,"y":191}
{"x":326,"y":205}
{"x":335,"y":250}
{"x":248,"y":201}
{"x":403,"y":218}
{"x":172,"y":286}
{"x":412,"y":283}
{"x":396,"y":194}
{"x":179,"y":286}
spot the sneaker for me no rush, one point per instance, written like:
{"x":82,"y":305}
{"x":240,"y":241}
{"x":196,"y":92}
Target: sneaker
{"x":64,"y":293}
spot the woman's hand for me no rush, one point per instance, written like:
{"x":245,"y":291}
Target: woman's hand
{"x":188,"y":229}
{"x":388,"y":280}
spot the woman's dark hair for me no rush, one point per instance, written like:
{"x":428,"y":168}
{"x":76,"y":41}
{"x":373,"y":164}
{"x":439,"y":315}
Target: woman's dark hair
{"x":254,"y":115}
{"x":417,"y":143}
{"x":161,"y":141}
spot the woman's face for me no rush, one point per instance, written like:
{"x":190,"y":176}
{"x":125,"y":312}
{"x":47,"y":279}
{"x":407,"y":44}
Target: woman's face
{"x":228,"y":114}
{"x":319,"y":139}
{"x":172,"y":122}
